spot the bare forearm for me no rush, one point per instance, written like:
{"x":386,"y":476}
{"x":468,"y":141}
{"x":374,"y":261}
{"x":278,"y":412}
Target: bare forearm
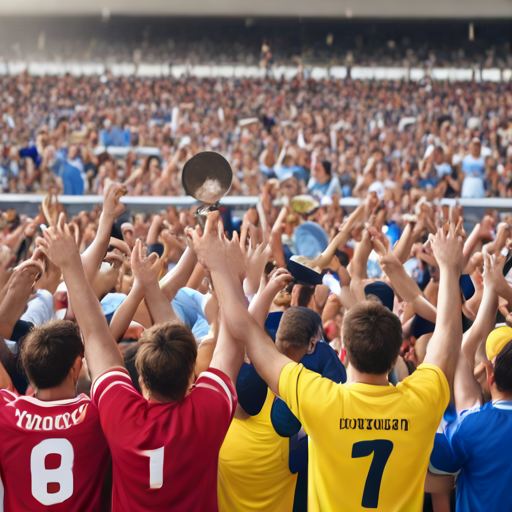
{"x":159,"y":305}
{"x":179,"y":275}
{"x":260,"y":305}
{"x":444,"y":347}
{"x":12,"y":307}
{"x":483,"y":325}
{"x":94,"y":254}
{"x":101,"y":351}
{"x":125,"y":313}
{"x":260,"y":348}
{"x":402,"y":249}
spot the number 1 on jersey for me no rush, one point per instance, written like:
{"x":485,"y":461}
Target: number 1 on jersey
{"x":381,"y":449}
{"x":156,"y":467}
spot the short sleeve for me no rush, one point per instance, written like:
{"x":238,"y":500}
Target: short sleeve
{"x":215,"y":390}
{"x":116,"y":400}
{"x":428,"y":387}
{"x":300,"y":389}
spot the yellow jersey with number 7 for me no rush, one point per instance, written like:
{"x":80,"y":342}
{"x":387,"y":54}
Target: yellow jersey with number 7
{"x":369,"y":446}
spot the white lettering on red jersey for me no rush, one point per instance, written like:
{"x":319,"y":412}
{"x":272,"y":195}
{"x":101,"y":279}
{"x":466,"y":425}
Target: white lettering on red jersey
{"x":53,"y":455}
{"x":165,"y":455}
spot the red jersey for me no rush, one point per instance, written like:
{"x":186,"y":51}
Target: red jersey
{"x":165,"y":455}
{"x":53,"y":454}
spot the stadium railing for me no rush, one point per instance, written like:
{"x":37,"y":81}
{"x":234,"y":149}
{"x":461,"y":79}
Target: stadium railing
{"x":474,"y":209}
{"x":240,"y":71}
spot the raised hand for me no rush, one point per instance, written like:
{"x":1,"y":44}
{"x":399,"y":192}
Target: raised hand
{"x":58,"y":244}
{"x":257,"y":258}
{"x":215,"y":252}
{"x":112,"y":206}
{"x":279,"y":279}
{"x":146,"y":269}
{"x":493,"y":272}
{"x":447,"y":249}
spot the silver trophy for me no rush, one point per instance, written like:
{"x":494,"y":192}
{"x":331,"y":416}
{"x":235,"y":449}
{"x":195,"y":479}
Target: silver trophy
{"x":207,"y":177}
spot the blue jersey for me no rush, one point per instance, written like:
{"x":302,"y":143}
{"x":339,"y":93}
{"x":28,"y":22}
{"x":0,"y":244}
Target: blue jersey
{"x":479,"y":445}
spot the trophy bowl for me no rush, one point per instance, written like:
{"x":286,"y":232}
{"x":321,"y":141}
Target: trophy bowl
{"x":207,"y":177}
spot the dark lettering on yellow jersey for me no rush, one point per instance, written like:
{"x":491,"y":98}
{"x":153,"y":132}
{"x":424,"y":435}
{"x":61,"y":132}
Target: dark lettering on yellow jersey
{"x":373,"y":424}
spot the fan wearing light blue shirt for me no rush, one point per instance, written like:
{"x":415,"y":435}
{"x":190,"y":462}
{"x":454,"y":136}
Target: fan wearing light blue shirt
{"x":473,"y":169}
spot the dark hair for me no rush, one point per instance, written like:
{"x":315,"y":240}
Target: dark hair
{"x":298,"y":325}
{"x":147,"y":163}
{"x":503,"y":368}
{"x":165,"y":360}
{"x":327,"y":166}
{"x":50,"y":351}
{"x":372,"y":336}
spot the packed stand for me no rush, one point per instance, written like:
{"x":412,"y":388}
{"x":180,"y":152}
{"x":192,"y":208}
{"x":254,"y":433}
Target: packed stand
{"x":255,"y":366}
{"x":326,"y":139}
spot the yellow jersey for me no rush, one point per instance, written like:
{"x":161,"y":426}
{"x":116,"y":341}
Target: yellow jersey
{"x":253,"y":466}
{"x":369,"y":446}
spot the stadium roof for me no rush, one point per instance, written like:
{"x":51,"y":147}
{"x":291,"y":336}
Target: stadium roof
{"x":456,"y":9}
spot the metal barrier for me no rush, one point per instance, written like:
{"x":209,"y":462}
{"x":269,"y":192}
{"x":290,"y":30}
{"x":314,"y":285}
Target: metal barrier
{"x":151,"y":70}
{"x":474,"y":209}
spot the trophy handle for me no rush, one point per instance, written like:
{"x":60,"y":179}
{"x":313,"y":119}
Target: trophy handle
{"x":202,"y":213}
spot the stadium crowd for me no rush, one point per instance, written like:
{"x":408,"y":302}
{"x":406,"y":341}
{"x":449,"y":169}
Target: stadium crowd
{"x":302,"y":359}
{"x":403,"y":140}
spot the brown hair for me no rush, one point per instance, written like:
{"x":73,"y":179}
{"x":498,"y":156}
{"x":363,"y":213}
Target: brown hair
{"x":372,"y":336}
{"x":298,"y":326}
{"x":166,"y":359}
{"x":50,"y":351}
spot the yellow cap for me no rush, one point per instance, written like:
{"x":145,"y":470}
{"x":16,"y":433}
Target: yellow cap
{"x":498,"y":338}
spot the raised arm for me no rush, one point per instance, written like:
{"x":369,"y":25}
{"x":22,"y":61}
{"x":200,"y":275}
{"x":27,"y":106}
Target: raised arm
{"x":101,"y":350}
{"x":112,"y":209}
{"x":146,"y":271}
{"x":260,"y":305}
{"x":444,"y":347}
{"x":403,"y":284}
{"x":18,"y":294}
{"x":226,"y":263}
{"x":486,"y":316}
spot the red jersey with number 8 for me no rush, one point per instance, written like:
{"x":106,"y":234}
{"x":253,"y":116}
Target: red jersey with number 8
{"x":165,"y":455}
{"x":53,"y":454}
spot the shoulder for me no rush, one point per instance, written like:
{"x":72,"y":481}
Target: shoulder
{"x":214,"y":382}
{"x":8,"y":395}
{"x":429,"y":382}
{"x":114,"y":379}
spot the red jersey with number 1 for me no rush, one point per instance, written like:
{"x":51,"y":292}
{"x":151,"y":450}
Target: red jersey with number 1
{"x":165,"y":455}
{"x":53,"y":454}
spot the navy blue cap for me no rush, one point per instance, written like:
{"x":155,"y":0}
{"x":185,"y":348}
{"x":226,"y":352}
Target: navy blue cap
{"x":383,"y":291}
{"x":272,"y":323}
{"x":310,"y":239}
{"x":303,"y":274}
{"x":467,"y":286}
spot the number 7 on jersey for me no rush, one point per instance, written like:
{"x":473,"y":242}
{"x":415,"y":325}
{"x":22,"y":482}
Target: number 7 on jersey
{"x":381,"y":449}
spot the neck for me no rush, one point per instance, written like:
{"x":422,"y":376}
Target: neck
{"x":366,"y":378}
{"x":500,"y":395}
{"x":63,"y":392}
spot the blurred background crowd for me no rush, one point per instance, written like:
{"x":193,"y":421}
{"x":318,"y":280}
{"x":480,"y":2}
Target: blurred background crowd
{"x":326,"y":138}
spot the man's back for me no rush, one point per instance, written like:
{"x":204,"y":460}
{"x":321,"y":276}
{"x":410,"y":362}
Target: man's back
{"x":165,"y":455}
{"x":479,"y":445}
{"x":53,"y":454}
{"x":377,"y":439}
{"x":254,"y":470}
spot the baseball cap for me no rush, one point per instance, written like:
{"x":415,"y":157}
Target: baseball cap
{"x":272,"y":323}
{"x":383,"y":291}
{"x":496,"y":340}
{"x":303,"y":274}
